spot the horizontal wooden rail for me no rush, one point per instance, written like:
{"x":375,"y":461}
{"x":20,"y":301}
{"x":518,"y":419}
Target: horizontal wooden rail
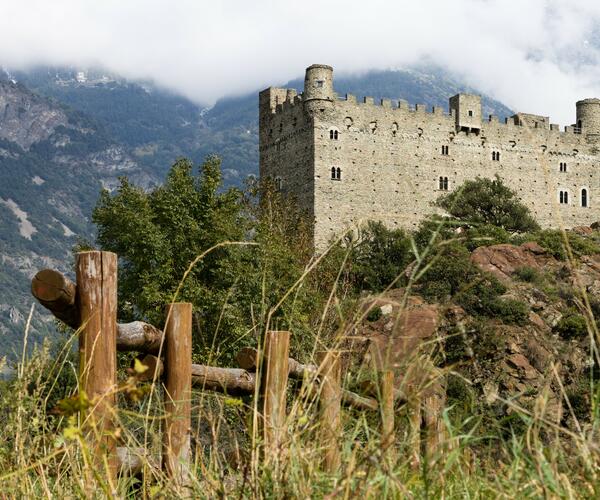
{"x":247,"y":358}
{"x":58,"y":294}
{"x":237,"y":381}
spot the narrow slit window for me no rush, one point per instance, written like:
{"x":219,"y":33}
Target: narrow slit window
{"x":338,"y":174}
{"x":445,"y":183}
{"x":333,"y":173}
{"x":584,"y":198}
{"x":445,"y":150}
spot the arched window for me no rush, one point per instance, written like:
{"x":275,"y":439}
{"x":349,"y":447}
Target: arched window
{"x":563,"y":197}
{"x":338,"y":174}
{"x":563,"y":167}
{"x":445,"y":183}
{"x":445,"y":150}
{"x":584,"y":197}
{"x":333,"y":134}
{"x":333,"y":173}
{"x":493,"y":155}
{"x":441,"y":184}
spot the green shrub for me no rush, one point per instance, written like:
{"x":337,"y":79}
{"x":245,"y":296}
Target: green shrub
{"x":512,"y":311}
{"x":580,"y":398}
{"x":449,"y":271}
{"x":481,"y":295}
{"x":553,"y":241}
{"x":434,"y":230}
{"x":486,"y":235}
{"x":488,"y":201}
{"x":527,"y":273}
{"x":571,"y":326}
{"x":379,"y":257}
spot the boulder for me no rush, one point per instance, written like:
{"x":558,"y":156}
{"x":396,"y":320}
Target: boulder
{"x":503,"y":260}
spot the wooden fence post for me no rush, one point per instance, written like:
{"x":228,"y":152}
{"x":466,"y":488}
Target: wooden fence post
{"x":386,"y":392}
{"x":97,"y":297}
{"x":178,"y":387}
{"x":273,"y":390}
{"x":330,"y":400}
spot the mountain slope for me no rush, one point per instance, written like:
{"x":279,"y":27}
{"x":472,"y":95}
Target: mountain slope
{"x":65,"y":133}
{"x":53,"y":163}
{"x":159,"y":126}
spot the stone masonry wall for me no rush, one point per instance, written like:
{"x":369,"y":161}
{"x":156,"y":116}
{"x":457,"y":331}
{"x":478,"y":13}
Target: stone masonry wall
{"x":391,"y":161}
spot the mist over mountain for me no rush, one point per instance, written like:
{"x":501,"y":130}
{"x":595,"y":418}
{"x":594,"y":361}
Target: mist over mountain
{"x":65,"y":133}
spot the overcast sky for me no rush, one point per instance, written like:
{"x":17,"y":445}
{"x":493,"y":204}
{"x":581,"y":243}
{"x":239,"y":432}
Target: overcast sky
{"x":534,"y":55}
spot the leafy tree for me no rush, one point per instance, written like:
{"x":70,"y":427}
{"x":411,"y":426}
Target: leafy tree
{"x":158,"y":234}
{"x":488,"y":201}
{"x":379,"y":256}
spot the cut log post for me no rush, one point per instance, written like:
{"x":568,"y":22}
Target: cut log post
{"x":386,"y":381}
{"x":155,"y":368}
{"x":330,"y":399}
{"x":58,"y":294}
{"x":178,"y":392}
{"x":273,"y":391}
{"x":97,"y":303}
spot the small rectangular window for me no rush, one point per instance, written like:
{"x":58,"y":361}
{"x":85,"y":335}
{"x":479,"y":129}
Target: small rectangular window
{"x":470,"y":113}
{"x":319,"y":84}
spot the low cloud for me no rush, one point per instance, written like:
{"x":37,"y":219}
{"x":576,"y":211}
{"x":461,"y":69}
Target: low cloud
{"x":537,"y":56}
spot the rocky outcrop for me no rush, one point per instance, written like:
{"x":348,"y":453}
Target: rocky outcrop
{"x":27,"y":118}
{"x":503,"y":260}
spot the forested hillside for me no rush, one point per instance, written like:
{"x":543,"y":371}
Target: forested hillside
{"x":64,"y":134}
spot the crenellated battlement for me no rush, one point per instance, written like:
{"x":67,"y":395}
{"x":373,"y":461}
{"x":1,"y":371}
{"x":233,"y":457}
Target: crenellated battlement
{"x":347,"y":159}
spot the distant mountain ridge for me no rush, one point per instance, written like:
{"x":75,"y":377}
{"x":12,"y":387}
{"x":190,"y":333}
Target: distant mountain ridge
{"x":66,"y":133}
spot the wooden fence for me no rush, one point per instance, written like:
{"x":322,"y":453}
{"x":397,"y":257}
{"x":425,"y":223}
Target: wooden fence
{"x":90,"y":306}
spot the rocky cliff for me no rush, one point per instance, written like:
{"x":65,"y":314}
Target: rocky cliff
{"x":53,"y":163}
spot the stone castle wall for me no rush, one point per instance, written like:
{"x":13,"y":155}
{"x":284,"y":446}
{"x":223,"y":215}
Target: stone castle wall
{"x":391,"y":159}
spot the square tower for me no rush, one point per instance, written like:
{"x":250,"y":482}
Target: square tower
{"x":467,"y":112}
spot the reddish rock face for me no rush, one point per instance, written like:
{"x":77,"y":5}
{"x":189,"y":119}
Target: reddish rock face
{"x":503,"y":260}
{"x":411,"y":327}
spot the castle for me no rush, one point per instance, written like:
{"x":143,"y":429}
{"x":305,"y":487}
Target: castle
{"x":347,"y":161}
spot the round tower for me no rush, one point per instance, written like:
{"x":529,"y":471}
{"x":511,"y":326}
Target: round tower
{"x":318,"y":88}
{"x":588,"y":118}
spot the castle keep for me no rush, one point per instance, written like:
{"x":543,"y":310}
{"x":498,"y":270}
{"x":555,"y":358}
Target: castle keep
{"x":347,"y":161}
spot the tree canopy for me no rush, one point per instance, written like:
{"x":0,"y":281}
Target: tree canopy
{"x":159,"y":233}
{"x":488,"y":201}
